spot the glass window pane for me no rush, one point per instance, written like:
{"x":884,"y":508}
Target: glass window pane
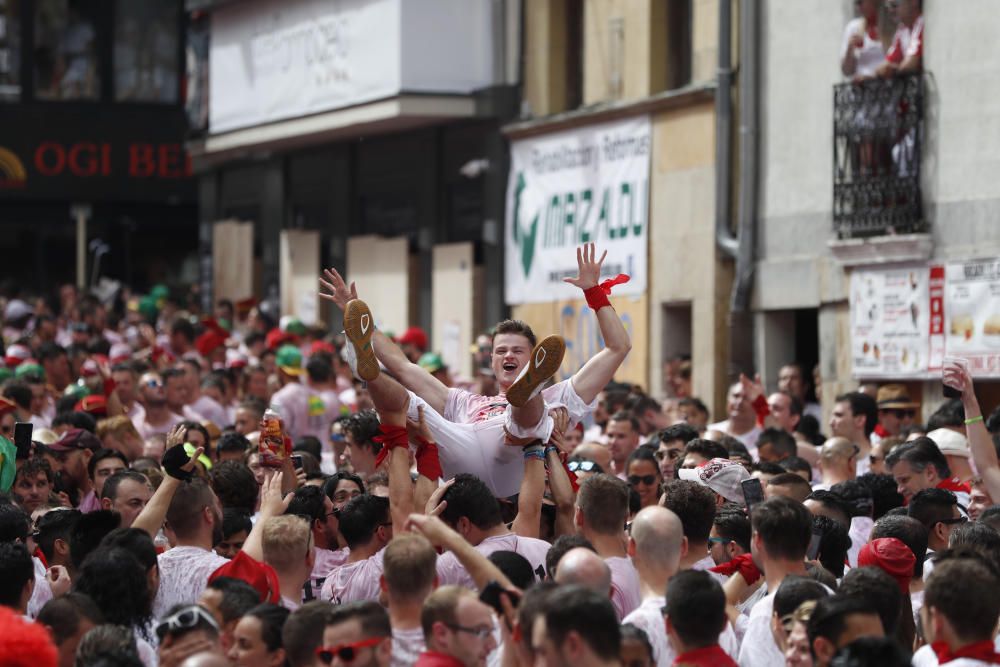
{"x":10,"y":50}
{"x":66,"y":66}
{"x":146,"y":54}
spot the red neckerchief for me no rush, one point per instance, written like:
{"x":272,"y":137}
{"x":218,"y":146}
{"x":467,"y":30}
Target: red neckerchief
{"x":881,"y":432}
{"x":955,"y":485}
{"x":40,"y":556}
{"x":709,"y":656}
{"x":984,"y":650}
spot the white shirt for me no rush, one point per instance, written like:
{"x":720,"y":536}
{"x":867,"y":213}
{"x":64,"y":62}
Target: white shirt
{"x":758,"y":648}
{"x":407,"y":645}
{"x":210,"y":410}
{"x":626,"y":592}
{"x":649,"y":619}
{"x":533,"y":550}
{"x":925,"y":657}
{"x":354,"y":581}
{"x":861,"y":529}
{"x":184,"y":573}
{"x":870,"y":55}
{"x":749,"y":439}
{"x":42,"y":592}
{"x":705,"y":565}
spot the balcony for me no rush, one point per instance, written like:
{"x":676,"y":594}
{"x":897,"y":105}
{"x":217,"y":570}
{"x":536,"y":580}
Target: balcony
{"x":877,"y":128}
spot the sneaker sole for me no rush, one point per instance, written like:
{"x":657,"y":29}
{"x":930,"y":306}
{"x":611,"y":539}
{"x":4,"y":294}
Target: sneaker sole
{"x":359,"y":327}
{"x":545,"y":360}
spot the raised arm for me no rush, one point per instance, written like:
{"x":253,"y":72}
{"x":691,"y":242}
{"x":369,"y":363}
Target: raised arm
{"x":476,"y":564}
{"x":151,"y":517}
{"x":272,"y":503}
{"x":410,"y":375}
{"x":600,"y":370}
{"x":561,"y":487}
{"x":984,"y":455}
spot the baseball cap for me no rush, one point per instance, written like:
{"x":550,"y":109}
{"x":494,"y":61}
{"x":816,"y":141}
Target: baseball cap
{"x":6,"y":405}
{"x":431,"y":362}
{"x":415,"y":336}
{"x":16,"y":354}
{"x":95,"y":404}
{"x":289,"y":359}
{"x":30,"y":367}
{"x":950,"y":442}
{"x":720,"y":475}
{"x":16,"y":309}
{"x":259,"y":575}
{"x":275,"y":338}
{"x":120,"y":352}
{"x":76,"y":438}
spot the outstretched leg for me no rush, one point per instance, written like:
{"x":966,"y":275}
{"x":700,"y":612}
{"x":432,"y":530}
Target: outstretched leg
{"x":390,"y":398}
{"x":525,"y":395}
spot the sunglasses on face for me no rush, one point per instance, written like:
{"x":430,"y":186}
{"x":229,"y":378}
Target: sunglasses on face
{"x":346,"y":652}
{"x":647,"y":480}
{"x":154,"y":384}
{"x":581,"y":466}
{"x":185,"y":619}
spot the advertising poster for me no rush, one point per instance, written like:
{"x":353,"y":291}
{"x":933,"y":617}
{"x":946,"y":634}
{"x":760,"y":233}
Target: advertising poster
{"x":972,"y":314}
{"x":890,"y":323}
{"x":568,"y":188}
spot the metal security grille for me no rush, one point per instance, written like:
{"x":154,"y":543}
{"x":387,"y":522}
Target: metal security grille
{"x":877,"y":132}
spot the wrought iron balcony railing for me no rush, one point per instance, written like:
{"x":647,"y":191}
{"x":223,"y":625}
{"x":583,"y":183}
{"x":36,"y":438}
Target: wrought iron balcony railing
{"x":877,"y":128}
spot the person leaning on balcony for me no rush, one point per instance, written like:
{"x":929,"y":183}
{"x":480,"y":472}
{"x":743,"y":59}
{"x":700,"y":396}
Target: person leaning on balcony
{"x":907,"y":50}
{"x":862,"y":51}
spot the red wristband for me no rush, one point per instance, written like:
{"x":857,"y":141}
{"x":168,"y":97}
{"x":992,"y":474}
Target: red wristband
{"x":428,"y":462}
{"x":392,"y":437}
{"x":761,"y":409}
{"x":597,"y":298}
{"x":109,"y":386}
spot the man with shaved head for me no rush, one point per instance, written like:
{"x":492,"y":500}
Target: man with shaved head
{"x":584,"y":567}
{"x":657,"y":545}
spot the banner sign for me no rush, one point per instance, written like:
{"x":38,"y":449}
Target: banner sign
{"x":905,"y":320}
{"x":568,"y":188}
{"x":972,"y":314}
{"x":273,"y":61}
{"x":890,"y":330}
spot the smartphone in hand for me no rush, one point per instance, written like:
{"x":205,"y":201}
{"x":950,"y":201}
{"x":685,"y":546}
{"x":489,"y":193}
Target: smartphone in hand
{"x":753,"y":492}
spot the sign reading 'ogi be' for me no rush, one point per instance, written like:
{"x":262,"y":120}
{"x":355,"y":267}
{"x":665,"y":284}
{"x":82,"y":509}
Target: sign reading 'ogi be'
{"x":565,"y":189}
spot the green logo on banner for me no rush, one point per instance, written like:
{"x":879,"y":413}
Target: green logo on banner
{"x":525,"y":240}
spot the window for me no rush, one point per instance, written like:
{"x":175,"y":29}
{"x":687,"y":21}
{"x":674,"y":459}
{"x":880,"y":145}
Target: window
{"x":679,"y":28}
{"x":10,"y":50}
{"x":574,"y":54}
{"x":146,"y":51}
{"x":66,"y":62}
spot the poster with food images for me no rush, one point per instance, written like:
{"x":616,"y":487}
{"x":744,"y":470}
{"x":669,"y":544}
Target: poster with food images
{"x":972,"y":314}
{"x":890,"y":323}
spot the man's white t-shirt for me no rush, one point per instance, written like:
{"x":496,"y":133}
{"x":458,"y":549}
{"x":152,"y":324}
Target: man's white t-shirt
{"x":184,"y":573}
{"x":407,"y":645}
{"x":758,"y":648}
{"x":648,"y":617}
{"x":533,"y":550}
{"x":749,"y":439}
{"x":626,"y":590}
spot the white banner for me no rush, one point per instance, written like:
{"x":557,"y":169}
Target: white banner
{"x":585,"y":185}
{"x":272,"y":61}
{"x":890,"y":322}
{"x":972,"y":314}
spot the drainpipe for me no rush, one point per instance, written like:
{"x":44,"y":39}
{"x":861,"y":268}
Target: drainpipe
{"x":724,"y":236}
{"x":739,"y":246}
{"x":749,"y":101}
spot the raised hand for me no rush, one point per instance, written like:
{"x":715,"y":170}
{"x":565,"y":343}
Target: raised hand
{"x":955,"y":374}
{"x":176,"y":436}
{"x":752,"y":389}
{"x":339,"y":291}
{"x":434,"y":504}
{"x":589,"y":268}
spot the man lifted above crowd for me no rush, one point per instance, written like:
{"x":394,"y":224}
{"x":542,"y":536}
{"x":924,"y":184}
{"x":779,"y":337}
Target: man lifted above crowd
{"x":469,"y":428}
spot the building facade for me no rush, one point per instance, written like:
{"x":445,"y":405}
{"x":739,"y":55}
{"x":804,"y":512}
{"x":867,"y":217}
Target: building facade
{"x":94,"y":178}
{"x":362,"y":135}
{"x":620,"y":97}
{"x":850,"y":285}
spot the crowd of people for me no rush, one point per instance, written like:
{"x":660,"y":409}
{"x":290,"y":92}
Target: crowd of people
{"x":407,"y":517}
